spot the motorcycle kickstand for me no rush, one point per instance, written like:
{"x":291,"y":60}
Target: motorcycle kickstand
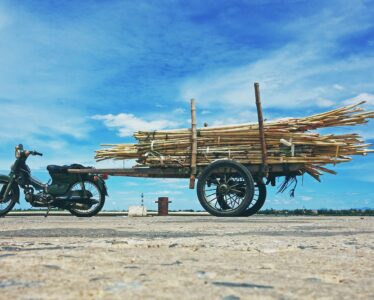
{"x":47,"y":213}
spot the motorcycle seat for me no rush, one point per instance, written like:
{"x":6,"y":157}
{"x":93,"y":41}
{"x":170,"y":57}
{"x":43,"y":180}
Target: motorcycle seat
{"x":63,"y":169}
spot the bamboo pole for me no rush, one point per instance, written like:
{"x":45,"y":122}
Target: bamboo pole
{"x":261,"y":129}
{"x":193,"y":144}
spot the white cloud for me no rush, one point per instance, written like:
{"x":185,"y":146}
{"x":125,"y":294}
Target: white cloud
{"x":289,"y":78}
{"x":369,"y":98}
{"x":83,"y":156}
{"x":338,"y":87}
{"x":163,"y":193}
{"x":306,"y":198}
{"x":127,"y":124}
{"x":3,"y":19}
{"x":232,"y":117}
{"x":303,"y":73}
{"x":281,"y":199}
{"x":324,"y":102}
{"x":112,"y":164}
{"x":26,"y":122}
{"x":51,"y":129}
{"x":179,"y":110}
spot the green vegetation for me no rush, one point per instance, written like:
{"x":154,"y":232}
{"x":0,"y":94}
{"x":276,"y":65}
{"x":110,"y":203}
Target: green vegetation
{"x":273,"y":212}
{"x":319,"y":212}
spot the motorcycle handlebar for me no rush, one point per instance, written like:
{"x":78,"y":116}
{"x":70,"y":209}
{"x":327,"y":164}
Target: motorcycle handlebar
{"x":36,"y":153}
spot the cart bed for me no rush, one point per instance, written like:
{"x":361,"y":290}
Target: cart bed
{"x":172,"y":172}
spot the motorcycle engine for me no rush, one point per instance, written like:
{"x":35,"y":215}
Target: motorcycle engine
{"x":39,"y":199}
{"x":29,"y":194}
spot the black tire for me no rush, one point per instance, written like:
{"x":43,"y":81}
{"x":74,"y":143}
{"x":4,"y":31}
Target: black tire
{"x":95,"y":209}
{"x":255,"y":205}
{"x":258,"y":200}
{"x":13,"y":197}
{"x":222,"y":177}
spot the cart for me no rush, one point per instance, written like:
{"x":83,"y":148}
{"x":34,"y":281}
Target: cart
{"x":225,"y":187}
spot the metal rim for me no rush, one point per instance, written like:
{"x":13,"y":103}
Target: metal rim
{"x":5,"y":204}
{"x":227,"y":190}
{"x":256,"y":197}
{"x":256,"y":203}
{"x":96,"y":195}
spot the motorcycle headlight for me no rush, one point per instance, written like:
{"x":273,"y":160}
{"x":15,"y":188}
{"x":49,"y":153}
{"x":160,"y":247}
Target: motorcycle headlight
{"x":19,"y":148}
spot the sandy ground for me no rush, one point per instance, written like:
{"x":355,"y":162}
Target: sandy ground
{"x":186,"y":257}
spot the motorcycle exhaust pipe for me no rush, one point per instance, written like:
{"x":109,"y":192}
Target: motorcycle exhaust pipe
{"x":80,"y":206}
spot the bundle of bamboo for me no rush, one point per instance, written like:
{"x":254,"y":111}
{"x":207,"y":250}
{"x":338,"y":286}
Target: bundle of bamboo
{"x":287,"y":141}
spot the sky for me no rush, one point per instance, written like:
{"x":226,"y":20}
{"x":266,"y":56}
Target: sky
{"x":75,"y":74}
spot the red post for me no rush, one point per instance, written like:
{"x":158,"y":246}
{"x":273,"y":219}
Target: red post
{"x":163,"y":206}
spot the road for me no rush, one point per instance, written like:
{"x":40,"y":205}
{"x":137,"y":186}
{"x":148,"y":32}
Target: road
{"x":186,"y":257}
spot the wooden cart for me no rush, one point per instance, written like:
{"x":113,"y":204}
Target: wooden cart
{"x":225,"y":187}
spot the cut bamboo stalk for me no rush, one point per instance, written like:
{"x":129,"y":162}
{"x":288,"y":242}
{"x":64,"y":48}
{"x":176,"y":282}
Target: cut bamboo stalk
{"x":193,"y":144}
{"x":182,"y":148}
{"x":261,"y":129}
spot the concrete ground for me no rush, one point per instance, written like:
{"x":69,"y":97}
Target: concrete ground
{"x":186,"y":257}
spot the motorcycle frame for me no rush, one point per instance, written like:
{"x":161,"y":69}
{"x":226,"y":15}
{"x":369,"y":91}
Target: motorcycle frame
{"x":20,"y":175}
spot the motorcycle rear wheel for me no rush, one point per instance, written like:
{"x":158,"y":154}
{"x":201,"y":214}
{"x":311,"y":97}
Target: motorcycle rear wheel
{"x":97,"y":194}
{"x":11,"y":200}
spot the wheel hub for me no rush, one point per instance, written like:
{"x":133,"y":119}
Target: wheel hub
{"x":223,"y":189}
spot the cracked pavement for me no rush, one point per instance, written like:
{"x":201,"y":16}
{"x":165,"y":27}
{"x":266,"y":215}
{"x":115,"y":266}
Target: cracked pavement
{"x":190,"y":257}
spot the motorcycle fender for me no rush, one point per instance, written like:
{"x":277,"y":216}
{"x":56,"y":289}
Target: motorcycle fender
{"x":6,"y":178}
{"x":101,"y":183}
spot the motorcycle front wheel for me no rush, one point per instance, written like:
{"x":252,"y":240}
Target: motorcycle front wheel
{"x":95,"y":194}
{"x":7,"y":204}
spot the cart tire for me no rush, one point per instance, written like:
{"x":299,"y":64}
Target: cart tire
{"x":217,"y":188}
{"x":258,"y":200}
{"x":255,"y":205}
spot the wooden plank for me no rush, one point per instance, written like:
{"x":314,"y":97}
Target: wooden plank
{"x":138,"y":172}
{"x":276,"y":170}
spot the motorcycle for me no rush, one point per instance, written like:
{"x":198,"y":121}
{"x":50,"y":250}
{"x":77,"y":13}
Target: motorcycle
{"x":81,"y":194}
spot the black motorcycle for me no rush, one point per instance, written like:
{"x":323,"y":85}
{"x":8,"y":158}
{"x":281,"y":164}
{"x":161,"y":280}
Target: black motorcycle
{"x":81,"y":194}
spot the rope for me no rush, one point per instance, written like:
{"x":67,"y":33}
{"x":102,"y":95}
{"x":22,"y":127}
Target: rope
{"x":288,"y":181}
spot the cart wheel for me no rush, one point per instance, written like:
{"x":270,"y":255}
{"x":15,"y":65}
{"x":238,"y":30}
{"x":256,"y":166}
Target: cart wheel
{"x":225,"y":188}
{"x":258,"y":200}
{"x":255,"y":205}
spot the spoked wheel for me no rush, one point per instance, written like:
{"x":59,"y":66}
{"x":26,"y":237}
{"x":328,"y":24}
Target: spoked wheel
{"x":255,"y":205}
{"x":7,"y":204}
{"x":258,"y":200}
{"x":95,"y":195}
{"x":225,"y":188}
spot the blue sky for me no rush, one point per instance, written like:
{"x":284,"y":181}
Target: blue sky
{"x":74,"y":74}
